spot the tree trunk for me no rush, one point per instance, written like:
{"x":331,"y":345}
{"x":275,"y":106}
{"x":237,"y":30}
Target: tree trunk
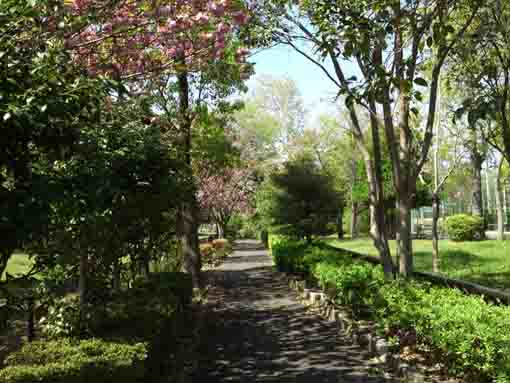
{"x":221,"y":230}
{"x":436,"y":261}
{"x":354,"y":220}
{"x":476,"y":197}
{"x":5,"y":255}
{"x":381,"y":240}
{"x":82,"y":288}
{"x":340,"y":223}
{"x":405,"y":239}
{"x":354,"y":204}
{"x":376,"y":189}
{"x":188,"y":236}
{"x":146,"y":266}
{"x":499,"y":202}
{"x":188,"y":215}
{"x":116,"y":275}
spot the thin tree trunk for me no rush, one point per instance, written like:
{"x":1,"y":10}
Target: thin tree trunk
{"x":354,"y":204}
{"x":116,"y":275}
{"x":4,"y":260}
{"x":405,"y":240}
{"x":221,"y":230}
{"x":476,"y":197}
{"x":340,"y":223}
{"x":146,"y":266}
{"x":374,"y":174}
{"x":188,"y":214}
{"x":436,"y":261}
{"x":499,"y":202}
{"x":82,"y":288}
{"x":380,"y":230}
{"x":354,"y":220}
{"x":188,"y":236}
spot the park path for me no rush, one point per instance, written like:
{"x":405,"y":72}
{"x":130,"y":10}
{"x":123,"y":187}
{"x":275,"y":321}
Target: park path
{"x":257,"y":331}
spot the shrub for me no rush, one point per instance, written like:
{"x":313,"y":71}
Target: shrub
{"x":353,"y":284}
{"x":470,"y":336}
{"x":154,"y":299}
{"x":213,"y":253}
{"x":464,"y":227}
{"x":288,"y":255}
{"x":62,"y":361}
{"x":62,"y":318}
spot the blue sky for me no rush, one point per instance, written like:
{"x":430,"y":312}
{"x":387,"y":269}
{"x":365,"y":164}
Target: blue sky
{"x":317,"y":90}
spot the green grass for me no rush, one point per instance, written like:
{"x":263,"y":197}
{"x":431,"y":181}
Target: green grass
{"x":486,"y":262}
{"x":18,"y":264}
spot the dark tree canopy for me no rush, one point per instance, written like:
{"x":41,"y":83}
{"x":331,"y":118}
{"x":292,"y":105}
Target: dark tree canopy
{"x":304,"y":199}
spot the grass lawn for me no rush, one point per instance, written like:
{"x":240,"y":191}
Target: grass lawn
{"x":486,"y":263}
{"x":18,"y":264}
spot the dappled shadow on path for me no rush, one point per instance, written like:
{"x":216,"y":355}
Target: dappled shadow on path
{"x":258,"y":332}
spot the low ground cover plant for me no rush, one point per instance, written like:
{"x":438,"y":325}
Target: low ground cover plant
{"x":470,"y":335}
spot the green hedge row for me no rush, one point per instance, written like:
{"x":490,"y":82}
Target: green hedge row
{"x":127,"y":333}
{"x":66,"y":360}
{"x":471,"y":336}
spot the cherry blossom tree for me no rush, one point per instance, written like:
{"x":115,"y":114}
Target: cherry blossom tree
{"x":224,"y":193}
{"x":128,"y":38}
{"x":142,"y":39}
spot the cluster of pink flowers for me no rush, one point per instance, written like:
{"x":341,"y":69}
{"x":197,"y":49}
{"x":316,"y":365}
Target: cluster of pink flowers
{"x":135,"y":37}
{"x":226,"y":191}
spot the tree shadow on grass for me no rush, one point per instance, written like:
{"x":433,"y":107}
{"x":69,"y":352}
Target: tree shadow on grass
{"x":467,"y":266}
{"x":451,"y":260}
{"x":498,"y":280}
{"x":258,"y":332}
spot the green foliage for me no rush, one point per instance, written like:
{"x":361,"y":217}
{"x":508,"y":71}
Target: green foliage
{"x":44,"y":102}
{"x":122,"y":314}
{"x":170,"y":286}
{"x":352,"y":284}
{"x":301,"y":199}
{"x":63,"y":361}
{"x":62,"y":319}
{"x":288,"y":254}
{"x":469,"y":335}
{"x":464,"y":227}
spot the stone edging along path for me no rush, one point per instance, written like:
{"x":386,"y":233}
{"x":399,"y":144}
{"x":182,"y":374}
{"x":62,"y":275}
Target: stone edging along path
{"x":363,"y":333}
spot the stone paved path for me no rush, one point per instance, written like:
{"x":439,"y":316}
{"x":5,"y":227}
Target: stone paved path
{"x":257,"y":331}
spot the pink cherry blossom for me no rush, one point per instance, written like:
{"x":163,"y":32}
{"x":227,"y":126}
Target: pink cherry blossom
{"x":196,"y":31}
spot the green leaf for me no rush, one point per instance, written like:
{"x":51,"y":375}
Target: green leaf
{"x":421,"y":81}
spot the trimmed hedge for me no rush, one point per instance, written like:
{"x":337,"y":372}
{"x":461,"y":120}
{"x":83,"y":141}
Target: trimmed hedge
{"x":64,"y":360}
{"x":471,"y":336}
{"x":464,"y":227}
